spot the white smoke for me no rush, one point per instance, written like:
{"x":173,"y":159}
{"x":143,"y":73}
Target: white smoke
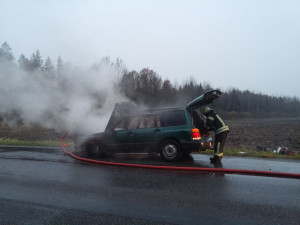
{"x":79,"y":100}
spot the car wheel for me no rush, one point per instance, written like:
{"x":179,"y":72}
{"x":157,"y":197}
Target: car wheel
{"x":170,"y":151}
{"x":94,"y":149}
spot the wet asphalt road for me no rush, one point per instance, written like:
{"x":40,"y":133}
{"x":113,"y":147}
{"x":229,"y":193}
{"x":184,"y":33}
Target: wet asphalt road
{"x":44,"y":186}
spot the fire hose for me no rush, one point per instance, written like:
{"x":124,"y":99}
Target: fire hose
{"x":199,"y":169}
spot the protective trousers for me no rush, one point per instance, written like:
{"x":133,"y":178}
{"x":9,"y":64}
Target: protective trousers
{"x":219,"y":143}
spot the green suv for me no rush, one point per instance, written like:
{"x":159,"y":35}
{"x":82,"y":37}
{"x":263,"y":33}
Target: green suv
{"x":171,"y":132}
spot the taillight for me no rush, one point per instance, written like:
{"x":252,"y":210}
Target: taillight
{"x":196,"y":134}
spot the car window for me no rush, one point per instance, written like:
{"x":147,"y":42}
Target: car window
{"x":133,"y":121}
{"x":173,"y":118}
{"x":127,"y":123}
{"x":122,"y":125}
{"x":149,"y":121}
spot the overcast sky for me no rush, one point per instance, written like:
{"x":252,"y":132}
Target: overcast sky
{"x":252,"y":44}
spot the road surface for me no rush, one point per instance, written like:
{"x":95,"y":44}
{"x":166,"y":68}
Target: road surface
{"x":44,"y":186}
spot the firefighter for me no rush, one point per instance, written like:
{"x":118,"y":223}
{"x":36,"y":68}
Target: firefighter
{"x":216,"y":124}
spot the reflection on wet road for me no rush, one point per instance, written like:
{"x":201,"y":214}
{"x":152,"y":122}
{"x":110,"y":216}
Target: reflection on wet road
{"x":47,"y":187}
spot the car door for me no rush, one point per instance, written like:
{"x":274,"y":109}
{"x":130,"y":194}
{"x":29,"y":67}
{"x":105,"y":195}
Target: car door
{"x":148,"y":133}
{"x":121,"y":137}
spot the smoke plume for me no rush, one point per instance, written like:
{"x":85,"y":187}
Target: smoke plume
{"x":79,"y":100}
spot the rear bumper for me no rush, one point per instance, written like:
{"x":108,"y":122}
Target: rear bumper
{"x":206,"y":143}
{"x":190,"y":146}
{"x":201,"y":145}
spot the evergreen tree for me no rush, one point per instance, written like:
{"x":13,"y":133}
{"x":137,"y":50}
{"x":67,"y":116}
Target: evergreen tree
{"x":6,"y":52}
{"x":36,"y":61}
{"x":24,"y":63}
{"x":49,"y":69}
{"x":168,"y":93}
{"x":59,"y":66}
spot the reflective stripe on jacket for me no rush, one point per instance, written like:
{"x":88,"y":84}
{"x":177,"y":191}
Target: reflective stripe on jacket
{"x":214,"y":122}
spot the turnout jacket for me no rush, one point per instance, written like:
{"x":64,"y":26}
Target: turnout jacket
{"x":215,"y":123}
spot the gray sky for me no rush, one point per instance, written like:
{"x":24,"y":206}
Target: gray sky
{"x":252,"y":44}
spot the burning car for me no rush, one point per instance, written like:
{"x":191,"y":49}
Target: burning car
{"x":170,"y":132}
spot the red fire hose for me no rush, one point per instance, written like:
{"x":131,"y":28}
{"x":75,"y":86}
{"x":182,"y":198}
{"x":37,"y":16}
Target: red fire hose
{"x":202,"y":170}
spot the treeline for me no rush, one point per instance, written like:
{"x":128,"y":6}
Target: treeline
{"x":148,"y":88}
{"x":34,"y":63}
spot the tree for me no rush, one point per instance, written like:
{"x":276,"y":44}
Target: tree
{"x":168,"y":93}
{"x":128,"y":84}
{"x":36,"y":61}
{"x":59,"y":65}
{"x":49,"y":69}
{"x":235,"y":104}
{"x":24,"y":63}
{"x":149,"y":85}
{"x":187,"y":92}
{"x":120,"y":67}
{"x":6,"y":52}
{"x":199,"y":90}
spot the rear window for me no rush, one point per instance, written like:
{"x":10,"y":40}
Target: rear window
{"x":173,"y":118}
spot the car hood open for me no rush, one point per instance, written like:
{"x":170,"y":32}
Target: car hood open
{"x":122,"y":109}
{"x":206,"y":98}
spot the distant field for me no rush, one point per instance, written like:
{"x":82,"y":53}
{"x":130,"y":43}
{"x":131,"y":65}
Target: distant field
{"x":264,"y":133}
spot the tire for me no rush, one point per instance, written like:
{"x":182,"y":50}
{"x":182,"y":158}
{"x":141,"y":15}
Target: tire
{"x":170,"y":151}
{"x":94,"y":149}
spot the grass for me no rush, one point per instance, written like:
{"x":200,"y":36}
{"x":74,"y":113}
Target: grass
{"x":227,"y":152}
{"x":253,"y":153}
{"x":48,"y":143}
